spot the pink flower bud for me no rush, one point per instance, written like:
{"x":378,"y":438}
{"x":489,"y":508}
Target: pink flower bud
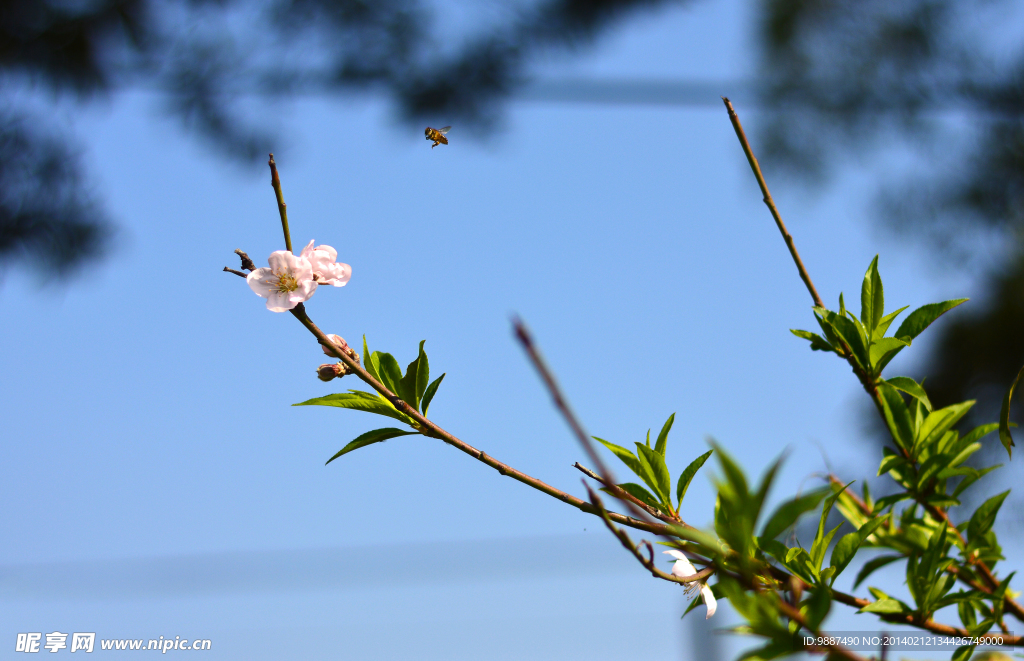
{"x":330,"y":371}
{"x":339,"y":341}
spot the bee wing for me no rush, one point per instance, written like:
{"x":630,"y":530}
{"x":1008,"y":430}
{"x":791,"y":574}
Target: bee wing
{"x":444,"y":130}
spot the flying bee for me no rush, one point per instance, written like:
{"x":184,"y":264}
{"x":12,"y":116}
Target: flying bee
{"x":437,"y":135}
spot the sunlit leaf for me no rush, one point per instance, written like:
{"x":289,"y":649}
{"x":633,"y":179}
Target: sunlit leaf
{"x":662,"y":441}
{"x":624,"y":455}
{"x":687,"y":475}
{"x":911,"y":387}
{"x":872,"y":298}
{"x":370,"y":437}
{"x":922,"y":317}
{"x":428,"y":394}
{"x":360,"y":401}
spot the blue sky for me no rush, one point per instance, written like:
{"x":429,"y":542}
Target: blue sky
{"x":159,"y":482}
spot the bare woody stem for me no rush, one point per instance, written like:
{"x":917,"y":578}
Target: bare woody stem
{"x":866,"y":380}
{"x":734,"y":118}
{"x":282,"y":208}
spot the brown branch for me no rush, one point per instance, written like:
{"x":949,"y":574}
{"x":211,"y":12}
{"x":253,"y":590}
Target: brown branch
{"x":734,"y":118}
{"x":428,"y":428}
{"x":239,"y":273}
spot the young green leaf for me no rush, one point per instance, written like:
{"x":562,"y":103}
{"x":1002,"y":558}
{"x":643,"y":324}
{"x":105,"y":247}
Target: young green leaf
{"x":922,"y":318}
{"x":624,"y":455}
{"x":360,"y":401}
{"x":872,"y":298}
{"x":911,"y":387}
{"x":409,"y":384}
{"x":884,"y":322}
{"x":848,"y":545}
{"x":883,"y":351}
{"x":372,"y":364}
{"x":390,"y":372}
{"x":662,"y":441}
{"x":428,"y":394}
{"x":422,"y":373}
{"x":818,"y":343}
{"x":687,"y":475}
{"x":788,"y":512}
{"x":897,"y":416}
{"x":937,"y":423}
{"x":985,"y":516}
{"x":886,"y":606}
{"x":1004,"y":416}
{"x":375,"y":436}
{"x":848,"y":332}
{"x":661,"y":479}
{"x":822,"y":539}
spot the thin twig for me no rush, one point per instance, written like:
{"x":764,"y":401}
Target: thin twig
{"x":238,"y":273}
{"x":282,"y":208}
{"x":246,"y":262}
{"x":524,"y":337}
{"x":734,"y":118}
{"x":428,"y":428}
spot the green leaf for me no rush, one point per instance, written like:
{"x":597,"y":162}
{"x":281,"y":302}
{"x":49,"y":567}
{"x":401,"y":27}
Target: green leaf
{"x":370,"y":437}
{"x":897,"y":416}
{"x":662,"y":442}
{"x":360,"y":401}
{"x":390,"y":372}
{"x":985,"y":516}
{"x":428,"y":395}
{"x":885,"y":606}
{"x":687,"y":475}
{"x":937,"y":423}
{"x":1004,"y":416}
{"x":923,"y":317}
{"x":662,"y":479}
{"x":872,"y":298}
{"x":786,"y":514}
{"x":372,"y":364}
{"x":884,"y":322}
{"x":846,"y":331}
{"x":849,"y":544}
{"x":422,"y":373}
{"x":911,"y":387}
{"x":641,"y":494}
{"x":623,"y":454}
{"x":818,"y":343}
{"x":883,"y":351}
{"x":821,"y":539}
{"x":872,"y":565}
{"x":409,"y":384}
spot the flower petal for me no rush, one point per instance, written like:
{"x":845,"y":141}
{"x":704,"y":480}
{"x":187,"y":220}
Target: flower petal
{"x":262,"y":281}
{"x":709,"y":600}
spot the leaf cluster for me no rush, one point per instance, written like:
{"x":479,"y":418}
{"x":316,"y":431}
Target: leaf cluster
{"x":414,"y":388}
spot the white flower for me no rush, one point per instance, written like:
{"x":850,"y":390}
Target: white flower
{"x":326,"y":271}
{"x":288,"y":281}
{"x":683,"y":568}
